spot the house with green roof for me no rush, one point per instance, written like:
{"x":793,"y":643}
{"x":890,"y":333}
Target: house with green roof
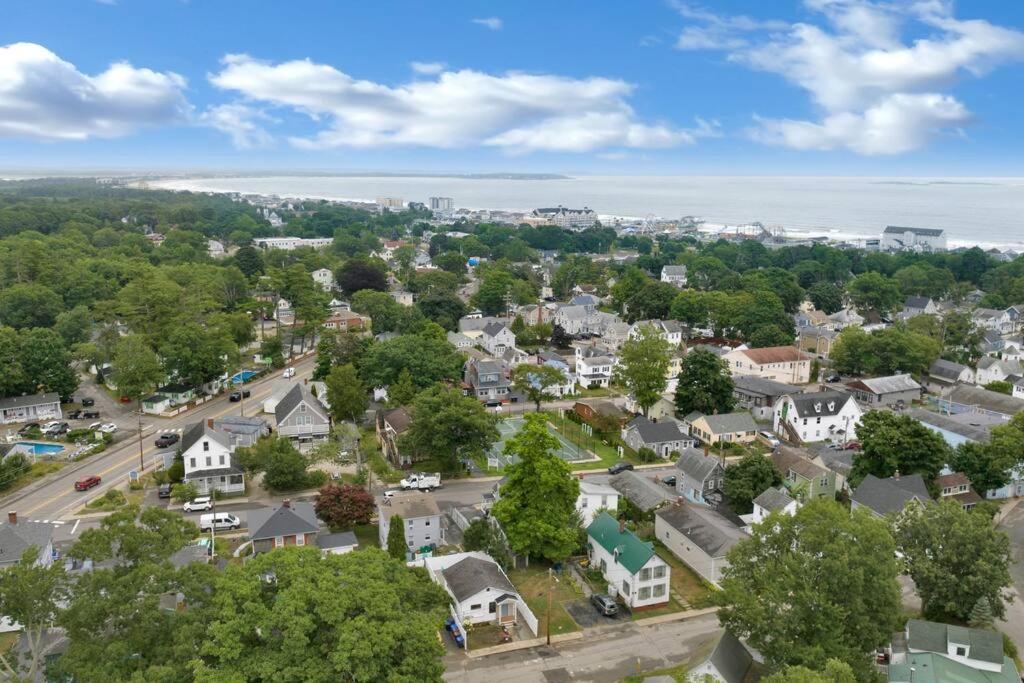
{"x":634,"y":572}
{"x":930,"y":652}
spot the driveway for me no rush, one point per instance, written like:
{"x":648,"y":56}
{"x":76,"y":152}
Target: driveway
{"x":586,"y":615}
{"x":1013,"y":525}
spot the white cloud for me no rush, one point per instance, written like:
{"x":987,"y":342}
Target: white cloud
{"x":493,"y":23}
{"x":47,"y":98}
{"x":515,"y":111}
{"x":241,"y":123}
{"x":427,"y":68}
{"x":878,"y":93}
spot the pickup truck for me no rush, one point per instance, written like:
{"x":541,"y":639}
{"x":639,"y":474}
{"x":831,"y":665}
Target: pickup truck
{"x":423,"y":481}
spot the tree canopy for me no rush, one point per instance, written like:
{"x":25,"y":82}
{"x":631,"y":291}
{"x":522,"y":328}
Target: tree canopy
{"x":704,"y":385}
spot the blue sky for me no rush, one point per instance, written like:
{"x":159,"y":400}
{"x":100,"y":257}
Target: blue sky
{"x":790,"y":87}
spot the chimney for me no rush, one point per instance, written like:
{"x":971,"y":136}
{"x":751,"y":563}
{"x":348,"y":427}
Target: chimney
{"x":896,"y":475}
{"x":707,"y":451}
{"x":209,"y":422}
{"x":12,"y":517}
{"x":286,"y":503}
{"x":622,"y":525}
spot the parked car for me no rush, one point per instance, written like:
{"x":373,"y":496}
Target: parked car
{"x":90,"y":414}
{"x":604,"y":604}
{"x":87,"y":483}
{"x":107,"y":428}
{"x":88,"y":402}
{"x":289,"y":373}
{"x":833,"y":378}
{"x":95,"y":426}
{"x":75,"y":415}
{"x":165,"y":440}
{"x":768,"y":439}
{"x":198,"y":504}
{"x":852,"y":446}
{"x":219,"y":521}
{"x":29,"y":428}
{"x":620,"y":467}
{"x":670,"y":480}
{"x":237,"y":396}
{"x":57,"y":428}
{"x":422,"y":481}
{"x":163,"y":491}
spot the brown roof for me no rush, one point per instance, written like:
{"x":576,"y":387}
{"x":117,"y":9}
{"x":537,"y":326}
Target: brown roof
{"x":955,"y":479}
{"x":775,"y":354}
{"x":786,"y":459}
{"x":398,"y":419}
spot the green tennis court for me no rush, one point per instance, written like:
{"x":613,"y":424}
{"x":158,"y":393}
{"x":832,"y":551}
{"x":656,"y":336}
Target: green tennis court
{"x":567,"y":450}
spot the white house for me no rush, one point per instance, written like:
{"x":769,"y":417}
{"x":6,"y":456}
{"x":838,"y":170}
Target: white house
{"x":772,"y":500}
{"x":215,"y":249}
{"x":32,"y":408}
{"x":699,"y":536}
{"x":594,"y":497}
{"x":674,"y":275}
{"x":818,"y":416}
{"x":480,"y":590}
{"x":993,"y":319}
{"x":899,"y":238}
{"x":401,"y":297}
{"x":496,"y":338}
{"x":779,"y":363}
{"x":634,"y":572}
{"x":957,"y":653}
{"x":300,"y":415}
{"x":209,"y":463}
{"x":669,"y":330}
{"x":324,"y":278}
{"x":460,"y":341}
{"x":420,"y":515}
{"x":16,"y":537}
{"x":593,"y":370}
{"x":992,"y":369}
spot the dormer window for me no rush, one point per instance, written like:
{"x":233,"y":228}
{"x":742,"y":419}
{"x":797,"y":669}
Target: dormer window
{"x":817,"y":407}
{"x":206,"y":445}
{"x":831,"y":406}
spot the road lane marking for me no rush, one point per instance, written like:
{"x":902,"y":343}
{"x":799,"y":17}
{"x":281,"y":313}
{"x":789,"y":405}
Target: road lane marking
{"x":75,"y":527}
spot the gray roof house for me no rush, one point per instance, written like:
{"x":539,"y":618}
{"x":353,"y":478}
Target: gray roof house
{"x":17,"y":536}
{"x":700,"y":477}
{"x":479,"y":589}
{"x":886,"y":391}
{"x":485,"y":380}
{"x":300,"y":415}
{"x":889,"y":495}
{"x":30,"y":408}
{"x":699,"y":536}
{"x":664,"y":438}
{"x":241,"y":430}
{"x":337,"y":543}
{"x":420,"y":515}
{"x":758,"y":395}
{"x":729,"y":662}
{"x":290,"y":524}
{"x":642,"y":490}
{"x":944,"y":374}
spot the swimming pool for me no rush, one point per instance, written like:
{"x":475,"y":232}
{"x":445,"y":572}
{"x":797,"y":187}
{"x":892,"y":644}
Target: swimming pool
{"x":39,"y":448}
{"x":243,"y":376}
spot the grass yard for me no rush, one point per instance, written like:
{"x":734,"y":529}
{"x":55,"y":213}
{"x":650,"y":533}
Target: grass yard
{"x":672,"y":607}
{"x":367,"y":535}
{"x":35,"y":471}
{"x":573,"y":432}
{"x":532,"y":584}
{"x":684,"y":580}
{"x":597,"y":392}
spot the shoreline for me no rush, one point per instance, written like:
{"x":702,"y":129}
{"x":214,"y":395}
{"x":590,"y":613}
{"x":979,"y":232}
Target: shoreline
{"x":827,"y":234}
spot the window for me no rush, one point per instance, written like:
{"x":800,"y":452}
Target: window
{"x":427,"y":537}
{"x":206,"y":445}
{"x":209,"y":461}
{"x":645,"y":574}
{"x":658,"y":591}
{"x":221,"y":458}
{"x":659,"y":572}
{"x":819,"y":421}
{"x":426,"y":523}
{"x":626,"y":589}
{"x":278,"y":541}
{"x":824,"y":480}
{"x":192,"y":463}
{"x":302,"y":407}
{"x":300,"y":539}
{"x":583,"y":503}
{"x":644,"y":593}
{"x":475,"y":607}
{"x":961,"y":651}
{"x":604,"y":566}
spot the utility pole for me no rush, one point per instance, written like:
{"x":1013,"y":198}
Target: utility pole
{"x":547,"y":619}
{"x":138,"y":405}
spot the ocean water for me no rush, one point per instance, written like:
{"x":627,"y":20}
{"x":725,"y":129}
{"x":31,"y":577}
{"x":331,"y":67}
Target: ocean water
{"x":973,"y":211}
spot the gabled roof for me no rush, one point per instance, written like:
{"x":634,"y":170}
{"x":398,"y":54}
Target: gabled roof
{"x":197,"y":430}
{"x":291,"y":400}
{"x":924,"y":232}
{"x":773,"y":499}
{"x":494,"y":329}
{"x":946,"y":369}
{"x":410,"y":505}
{"x":1008,"y":367}
{"x":931,"y":636}
{"x":819,"y":403}
{"x":985,"y":398}
{"x":398,"y":418}
{"x":15,"y":539}
{"x":30,"y":400}
{"x":471,"y":575}
{"x":640,"y":490}
{"x":766,"y":387}
{"x":673,"y":270}
{"x":887,"y":385}
{"x":708,"y":530}
{"x":731,"y":659}
{"x":730,"y":423}
{"x":694,"y":464}
{"x":288,"y":520}
{"x":886,"y":496}
{"x":916,"y":302}
{"x":775,"y":354}
{"x":630,"y":551}
{"x":788,"y":459}
{"x":656,"y":432}
{"x":340,"y":539}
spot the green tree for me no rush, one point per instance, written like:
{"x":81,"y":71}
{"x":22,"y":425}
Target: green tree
{"x":748,"y":479}
{"x":892,"y":443}
{"x":443,"y":308}
{"x":283,"y":467}
{"x":826,"y":297}
{"x":403,"y":391}
{"x":835,"y":671}
{"x":428,"y":359}
{"x":949,"y":579}
{"x":311,"y":624}
{"x":535,"y":381}
{"x":988,"y":465}
{"x":651,"y":301}
{"x":28,"y":304}
{"x":537,"y":505}
{"x":481,"y":535}
{"x":249,"y":261}
{"x":643,"y":366}
{"x":46,"y":362}
{"x":31,"y":594}
{"x":690,"y":306}
{"x":981,"y":614}
{"x":397,"y":547}
{"x":183,"y":492}
{"x":136,"y":367}
{"x":1000,"y":387}
{"x":346,"y":394}
{"x":705,"y":384}
{"x":817,"y":585}
{"x":449,"y":427}
{"x":74,"y":326}
{"x":197,"y":354}
{"x":356,"y":275}
{"x":385,"y":313}
{"x":873,"y":291}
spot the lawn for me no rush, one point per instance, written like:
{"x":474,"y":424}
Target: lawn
{"x":684,"y":580}
{"x":8,"y":640}
{"x":574,"y":433}
{"x":532,"y":584}
{"x":672,"y":607}
{"x":367,"y":535}
{"x":36,"y":471}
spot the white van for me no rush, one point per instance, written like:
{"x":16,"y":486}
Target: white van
{"x":219,"y":522}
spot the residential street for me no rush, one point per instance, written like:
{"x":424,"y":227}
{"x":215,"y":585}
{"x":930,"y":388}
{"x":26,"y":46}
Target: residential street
{"x":54,"y":497}
{"x":1013,"y":626}
{"x":602,"y":656}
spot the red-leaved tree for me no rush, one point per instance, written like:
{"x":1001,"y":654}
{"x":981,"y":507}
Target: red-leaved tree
{"x":344,"y":506}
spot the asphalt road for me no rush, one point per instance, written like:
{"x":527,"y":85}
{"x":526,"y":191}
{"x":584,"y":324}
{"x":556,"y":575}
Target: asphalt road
{"x":54,"y":497}
{"x":1013,"y":625}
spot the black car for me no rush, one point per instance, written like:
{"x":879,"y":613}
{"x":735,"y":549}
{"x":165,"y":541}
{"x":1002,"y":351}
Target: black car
{"x":831,"y":379}
{"x":75,"y":415}
{"x":236,"y":396}
{"x":29,"y":428}
{"x":163,"y":491}
{"x":87,"y":402}
{"x":165,"y":440}
{"x":90,"y":414}
{"x":604,"y":604}
{"x":620,"y":467}
{"x":670,"y":480}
